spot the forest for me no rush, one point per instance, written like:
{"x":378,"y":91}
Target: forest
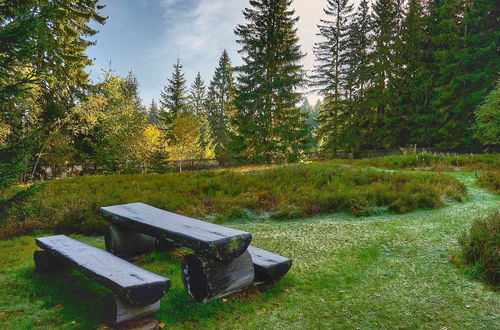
{"x":401,"y":241}
{"x":391,"y":73}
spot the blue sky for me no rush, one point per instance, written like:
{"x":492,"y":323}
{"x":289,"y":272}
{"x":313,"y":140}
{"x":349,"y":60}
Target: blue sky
{"x":146,"y":36}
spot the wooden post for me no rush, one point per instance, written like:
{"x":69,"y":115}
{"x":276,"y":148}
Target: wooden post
{"x":207,"y":279}
{"x":117,"y":311}
{"x":126,"y":243}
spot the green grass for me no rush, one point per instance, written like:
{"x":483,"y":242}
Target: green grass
{"x":435,"y":162}
{"x":385,"y":271}
{"x":490,"y":180}
{"x":285,"y":192}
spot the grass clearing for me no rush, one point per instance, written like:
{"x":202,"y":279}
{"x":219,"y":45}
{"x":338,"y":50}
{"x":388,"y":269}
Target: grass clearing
{"x":285,"y":192}
{"x":433,"y":162}
{"x":384,"y":271}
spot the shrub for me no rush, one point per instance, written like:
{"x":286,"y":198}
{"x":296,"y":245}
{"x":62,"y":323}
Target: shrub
{"x":285,"y":192}
{"x":481,"y":247}
{"x":490,"y":180}
{"x":434,"y":162}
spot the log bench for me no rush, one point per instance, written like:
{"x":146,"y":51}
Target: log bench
{"x":206,"y":239}
{"x":136,"y":292}
{"x":269,"y":267}
{"x":222,"y":263}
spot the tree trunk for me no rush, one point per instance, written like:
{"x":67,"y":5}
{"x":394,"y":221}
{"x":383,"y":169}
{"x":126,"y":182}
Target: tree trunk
{"x":207,"y":279}
{"x":117,"y":311}
{"x":126,"y":243}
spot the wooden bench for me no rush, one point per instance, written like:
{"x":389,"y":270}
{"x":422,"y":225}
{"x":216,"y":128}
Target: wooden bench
{"x":269,"y":267}
{"x":206,"y":239}
{"x":222,"y":263}
{"x":136,"y":292}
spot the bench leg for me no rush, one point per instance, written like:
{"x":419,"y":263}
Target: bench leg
{"x":126,"y":243}
{"x":207,"y":279}
{"x":118,"y":312}
{"x":47,"y":263}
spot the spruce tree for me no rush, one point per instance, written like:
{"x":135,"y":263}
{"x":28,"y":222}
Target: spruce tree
{"x":153,"y":113}
{"x":487,"y":128}
{"x":198,"y":96}
{"x":386,"y":28}
{"x":358,"y":79}
{"x":444,"y":42}
{"x":474,"y":65}
{"x":407,"y":120}
{"x":198,"y":107}
{"x":173,"y":99}
{"x":268,"y":121}
{"x":331,"y":71}
{"x":220,"y":104}
{"x":14,"y":163}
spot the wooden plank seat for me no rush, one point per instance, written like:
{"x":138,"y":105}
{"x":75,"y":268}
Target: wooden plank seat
{"x":136,"y":292}
{"x":269,"y":267}
{"x":205,"y":239}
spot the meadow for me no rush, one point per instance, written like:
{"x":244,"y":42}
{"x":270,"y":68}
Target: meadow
{"x":381,"y":271}
{"x":281,"y":193}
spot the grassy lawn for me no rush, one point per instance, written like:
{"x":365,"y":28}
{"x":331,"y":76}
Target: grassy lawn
{"x":386,"y":271}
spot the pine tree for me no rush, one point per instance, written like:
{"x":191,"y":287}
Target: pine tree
{"x":386,"y":30}
{"x":153,"y":113}
{"x":14,"y":163}
{"x":173,"y":96}
{"x":198,"y":107}
{"x":198,"y":96}
{"x":358,"y":79}
{"x":474,"y":65}
{"x":268,"y":121}
{"x":407,"y":120}
{"x":442,"y":26}
{"x":220,"y":104}
{"x":331,"y":72}
{"x":487,"y":129}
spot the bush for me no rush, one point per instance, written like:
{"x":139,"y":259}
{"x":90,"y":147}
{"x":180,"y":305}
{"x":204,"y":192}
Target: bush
{"x":286,"y":192}
{"x":481,"y":247}
{"x":434,"y":162}
{"x":490,"y":180}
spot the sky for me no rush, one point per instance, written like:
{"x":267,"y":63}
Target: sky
{"x":147,"y":36}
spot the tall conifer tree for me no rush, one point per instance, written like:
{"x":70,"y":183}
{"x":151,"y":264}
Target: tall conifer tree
{"x":330,"y":74}
{"x":153,"y":113}
{"x":174,"y":99}
{"x":386,"y":27}
{"x":220,"y":103}
{"x":198,"y":96}
{"x":268,"y":121}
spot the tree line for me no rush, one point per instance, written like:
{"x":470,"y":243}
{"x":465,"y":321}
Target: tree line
{"x":392,"y":73}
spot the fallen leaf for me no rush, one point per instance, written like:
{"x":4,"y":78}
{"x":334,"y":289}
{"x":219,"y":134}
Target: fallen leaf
{"x":59,"y":306}
{"x":161,"y":325}
{"x":263,"y":309}
{"x":453,"y":258}
{"x":37,"y":323}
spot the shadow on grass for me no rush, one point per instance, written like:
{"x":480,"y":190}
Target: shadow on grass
{"x":69,"y":293}
{"x":67,"y":296}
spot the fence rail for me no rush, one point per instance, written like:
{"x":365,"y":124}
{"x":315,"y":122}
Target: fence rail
{"x":70,"y":170}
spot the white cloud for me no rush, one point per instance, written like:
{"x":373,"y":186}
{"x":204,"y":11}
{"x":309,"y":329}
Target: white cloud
{"x":198,"y":30}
